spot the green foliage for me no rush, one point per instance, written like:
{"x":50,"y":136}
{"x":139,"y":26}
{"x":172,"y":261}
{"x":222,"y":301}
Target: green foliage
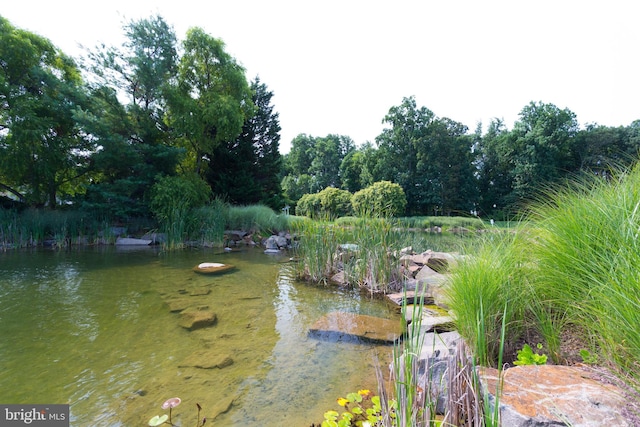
{"x":361,"y":409}
{"x":178,"y":194}
{"x":256,"y":219}
{"x":136,"y":144}
{"x":327,"y":204}
{"x":365,"y":257}
{"x":211,"y":99}
{"x":429,"y":157}
{"x":383,"y":199}
{"x":576,"y":256}
{"x":246,"y":170}
{"x":335,"y":202}
{"x":173,"y":200}
{"x":294,"y":187}
{"x":588,"y":357}
{"x":211,"y":222}
{"x":480,"y":289}
{"x":309,"y":205}
{"x":61,"y":228}
{"x":44,"y":154}
{"x":526,"y":356}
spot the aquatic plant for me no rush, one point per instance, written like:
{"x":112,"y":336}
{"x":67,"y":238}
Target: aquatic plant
{"x":167,"y":419}
{"x":361,"y":409}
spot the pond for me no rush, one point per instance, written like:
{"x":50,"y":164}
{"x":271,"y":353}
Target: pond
{"x":94,"y":328}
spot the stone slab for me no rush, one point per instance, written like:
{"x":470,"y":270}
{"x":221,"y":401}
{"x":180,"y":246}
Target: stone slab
{"x":368,"y":328}
{"x":552,"y":395}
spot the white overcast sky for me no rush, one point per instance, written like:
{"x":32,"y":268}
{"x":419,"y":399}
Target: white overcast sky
{"x":337,"y":66}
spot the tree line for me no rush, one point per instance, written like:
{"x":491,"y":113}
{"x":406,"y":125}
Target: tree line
{"x":111,"y":132}
{"x":446,"y":170}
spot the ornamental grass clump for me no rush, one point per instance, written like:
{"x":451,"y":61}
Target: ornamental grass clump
{"x":481,"y":287}
{"x":569,"y":273}
{"x":588,"y":251}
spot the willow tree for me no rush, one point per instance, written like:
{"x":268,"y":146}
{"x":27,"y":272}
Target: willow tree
{"x":42,"y":151}
{"x":211,"y":98}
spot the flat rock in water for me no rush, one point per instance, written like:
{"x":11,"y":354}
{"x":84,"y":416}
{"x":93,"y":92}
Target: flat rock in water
{"x":206,"y":360}
{"x":368,"y":328}
{"x":129,"y":241}
{"x":197,"y":319}
{"x":178,"y":304}
{"x":198,"y":292}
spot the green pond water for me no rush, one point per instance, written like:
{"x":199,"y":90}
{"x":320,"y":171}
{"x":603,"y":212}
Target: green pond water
{"x":93,"y":328}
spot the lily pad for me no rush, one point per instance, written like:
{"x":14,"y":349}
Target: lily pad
{"x":157,"y":420}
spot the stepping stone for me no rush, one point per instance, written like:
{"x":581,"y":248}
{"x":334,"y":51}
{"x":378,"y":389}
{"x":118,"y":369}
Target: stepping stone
{"x":357,"y":326}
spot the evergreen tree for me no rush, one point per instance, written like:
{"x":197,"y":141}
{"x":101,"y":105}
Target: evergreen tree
{"x":247,"y":169}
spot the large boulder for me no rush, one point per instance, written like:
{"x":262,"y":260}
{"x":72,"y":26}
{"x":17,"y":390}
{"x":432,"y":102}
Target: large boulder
{"x":552,"y":395}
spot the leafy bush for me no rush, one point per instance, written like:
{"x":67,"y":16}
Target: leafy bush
{"x":383,"y":199}
{"x":335,"y":202}
{"x":308,"y":205}
{"x":327,"y":204}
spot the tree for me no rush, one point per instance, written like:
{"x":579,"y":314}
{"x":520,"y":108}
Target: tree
{"x":602,"y":149}
{"x":211,"y":100}
{"x":136,"y":143}
{"x":328,"y":154}
{"x":494,"y":168}
{"x":399,"y":145}
{"x":247,"y":169}
{"x":429,"y":157}
{"x":543,"y":148}
{"x":446,"y":163}
{"x":298,"y":160}
{"x":294,"y":187}
{"x":43,"y":152}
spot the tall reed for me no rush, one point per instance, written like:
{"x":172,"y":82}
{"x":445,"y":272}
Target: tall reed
{"x":33,"y":227}
{"x":317,"y":247}
{"x":255,"y":218}
{"x":211,"y":221}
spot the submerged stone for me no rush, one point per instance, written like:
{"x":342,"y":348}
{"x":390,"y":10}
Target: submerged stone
{"x":197,"y":319}
{"x":341,"y":325}
{"x":206,"y":360}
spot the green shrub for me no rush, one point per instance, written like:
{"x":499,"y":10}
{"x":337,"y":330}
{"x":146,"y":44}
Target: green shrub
{"x":329,"y":203}
{"x":334,"y":202}
{"x":382,"y":199}
{"x":308,"y":205}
